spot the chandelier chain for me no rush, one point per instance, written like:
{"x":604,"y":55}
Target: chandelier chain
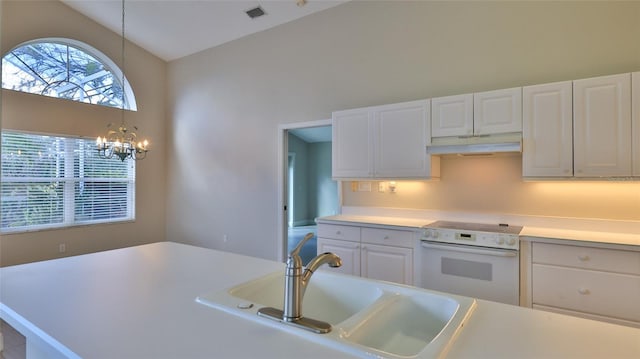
{"x":123,"y":142}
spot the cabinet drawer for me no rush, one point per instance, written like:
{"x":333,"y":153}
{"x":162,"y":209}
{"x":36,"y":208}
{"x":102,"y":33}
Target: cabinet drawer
{"x":610,"y":260}
{"x":388,"y":237}
{"x":601,"y":293}
{"x":333,"y":231}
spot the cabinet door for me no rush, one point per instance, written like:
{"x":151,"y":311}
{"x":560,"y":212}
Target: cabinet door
{"x":349,"y":252}
{"x":498,"y":111}
{"x":352,"y":146}
{"x":602,"y":126}
{"x":635,"y":122}
{"x":401,"y":134}
{"x":393,"y":264}
{"x":547,"y":131}
{"x":452,"y":116}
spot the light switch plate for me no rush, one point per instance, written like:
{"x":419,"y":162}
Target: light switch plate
{"x":364,"y":186}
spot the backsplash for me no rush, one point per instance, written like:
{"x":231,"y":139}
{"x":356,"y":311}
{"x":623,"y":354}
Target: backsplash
{"x":495,"y":185}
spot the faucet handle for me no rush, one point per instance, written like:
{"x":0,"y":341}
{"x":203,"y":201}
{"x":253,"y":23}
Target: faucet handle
{"x":295,"y":252}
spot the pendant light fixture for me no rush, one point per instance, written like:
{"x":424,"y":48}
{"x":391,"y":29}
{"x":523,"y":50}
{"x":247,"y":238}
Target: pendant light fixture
{"x":122,"y":142}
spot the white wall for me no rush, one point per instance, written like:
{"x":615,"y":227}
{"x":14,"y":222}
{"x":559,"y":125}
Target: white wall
{"x":28,"y":20}
{"x":226,"y":102}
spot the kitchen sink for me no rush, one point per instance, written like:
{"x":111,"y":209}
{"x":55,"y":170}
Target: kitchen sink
{"x":404,"y":325}
{"x":330,"y":297}
{"x":368,"y":317}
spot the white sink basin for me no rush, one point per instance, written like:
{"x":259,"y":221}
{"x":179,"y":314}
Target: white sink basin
{"x":404,"y":325}
{"x":329,"y":297}
{"x":368,"y":317}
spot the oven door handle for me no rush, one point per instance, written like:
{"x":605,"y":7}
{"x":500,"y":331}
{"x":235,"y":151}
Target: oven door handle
{"x":467,"y":249}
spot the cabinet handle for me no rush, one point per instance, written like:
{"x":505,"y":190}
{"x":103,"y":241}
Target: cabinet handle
{"x":338,"y":232}
{"x":386,"y":237}
{"x":583,"y":257}
{"x":584,"y":291}
{"x":364,"y":248}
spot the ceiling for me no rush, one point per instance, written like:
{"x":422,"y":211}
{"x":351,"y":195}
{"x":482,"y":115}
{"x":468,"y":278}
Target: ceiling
{"x":171,"y":29}
{"x":313,"y":134}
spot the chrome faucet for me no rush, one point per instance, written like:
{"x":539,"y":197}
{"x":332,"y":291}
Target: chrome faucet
{"x":295,"y":285}
{"x":296,"y":280}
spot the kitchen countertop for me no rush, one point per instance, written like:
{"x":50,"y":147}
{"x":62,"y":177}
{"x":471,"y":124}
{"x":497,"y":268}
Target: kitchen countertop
{"x":604,"y":233}
{"x":376,"y":220}
{"x":139,"y":302}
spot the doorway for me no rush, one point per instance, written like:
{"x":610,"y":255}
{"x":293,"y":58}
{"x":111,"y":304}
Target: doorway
{"x":308,"y":190}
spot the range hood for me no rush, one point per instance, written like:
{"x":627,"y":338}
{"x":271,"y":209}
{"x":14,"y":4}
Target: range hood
{"x":496,"y":143}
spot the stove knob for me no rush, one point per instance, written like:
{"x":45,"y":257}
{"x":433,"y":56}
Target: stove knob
{"x":435,"y":234}
{"x":427,"y":233}
{"x":511,"y":241}
{"x":500,"y":240}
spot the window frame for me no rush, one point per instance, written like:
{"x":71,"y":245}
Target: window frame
{"x":68,"y":183}
{"x":130,"y":100}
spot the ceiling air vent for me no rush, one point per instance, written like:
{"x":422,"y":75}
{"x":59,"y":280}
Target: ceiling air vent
{"x":255,"y":12}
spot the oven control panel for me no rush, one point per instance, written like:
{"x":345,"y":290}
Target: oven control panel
{"x":473,"y":238}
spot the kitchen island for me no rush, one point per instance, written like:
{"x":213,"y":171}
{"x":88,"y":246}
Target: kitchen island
{"x":139,"y":302}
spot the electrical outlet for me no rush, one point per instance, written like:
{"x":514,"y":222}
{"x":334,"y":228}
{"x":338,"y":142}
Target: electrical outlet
{"x":382,"y":186}
{"x":62,"y":247}
{"x":354,"y":186}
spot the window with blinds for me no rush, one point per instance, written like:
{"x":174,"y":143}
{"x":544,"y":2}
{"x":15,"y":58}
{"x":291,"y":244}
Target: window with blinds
{"x":51,"y":181}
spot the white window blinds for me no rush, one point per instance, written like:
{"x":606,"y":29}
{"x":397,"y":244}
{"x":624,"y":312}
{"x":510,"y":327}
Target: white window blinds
{"x":50,"y":181}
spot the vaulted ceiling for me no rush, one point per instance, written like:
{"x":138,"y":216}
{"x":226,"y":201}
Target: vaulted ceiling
{"x":171,"y":29}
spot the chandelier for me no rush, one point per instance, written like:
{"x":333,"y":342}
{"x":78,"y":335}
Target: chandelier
{"x":122,"y":142}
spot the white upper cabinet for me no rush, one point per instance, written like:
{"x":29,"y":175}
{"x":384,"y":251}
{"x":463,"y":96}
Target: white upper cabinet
{"x":478,"y":114}
{"x":498,"y":111}
{"x":352,"y":144}
{"x":547,"y":133}
{"x":635,"y":122}
{"x":452,"y":116}
{"x":401,"y":139}
{"x":602,"y":126}
{"x":382,"y":142}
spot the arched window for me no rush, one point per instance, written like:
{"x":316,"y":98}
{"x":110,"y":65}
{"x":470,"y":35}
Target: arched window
{"x":68,"y":69}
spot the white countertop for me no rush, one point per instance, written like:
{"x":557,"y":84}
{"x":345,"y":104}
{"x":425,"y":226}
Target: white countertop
{"x":376,"y":220}
{"x":602,"y":233}
{"x":139,"y":302}
{"x":597,"y":237}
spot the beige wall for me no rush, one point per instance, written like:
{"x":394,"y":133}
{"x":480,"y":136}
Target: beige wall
{"x":28,"y":20}
{"x":494,"y":185}
{"x":226,"y":104}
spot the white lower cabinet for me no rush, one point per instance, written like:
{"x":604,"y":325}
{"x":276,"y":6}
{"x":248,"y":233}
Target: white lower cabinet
{"x":596,"y":283}
{"x":376,"y":253}
{"x":348,"y":251}
{"x":393,"y":264}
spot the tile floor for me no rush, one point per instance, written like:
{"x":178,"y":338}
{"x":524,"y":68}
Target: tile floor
{"x":14,"y":343}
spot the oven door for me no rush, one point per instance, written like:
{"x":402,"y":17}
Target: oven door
{"x":478,"y":272}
